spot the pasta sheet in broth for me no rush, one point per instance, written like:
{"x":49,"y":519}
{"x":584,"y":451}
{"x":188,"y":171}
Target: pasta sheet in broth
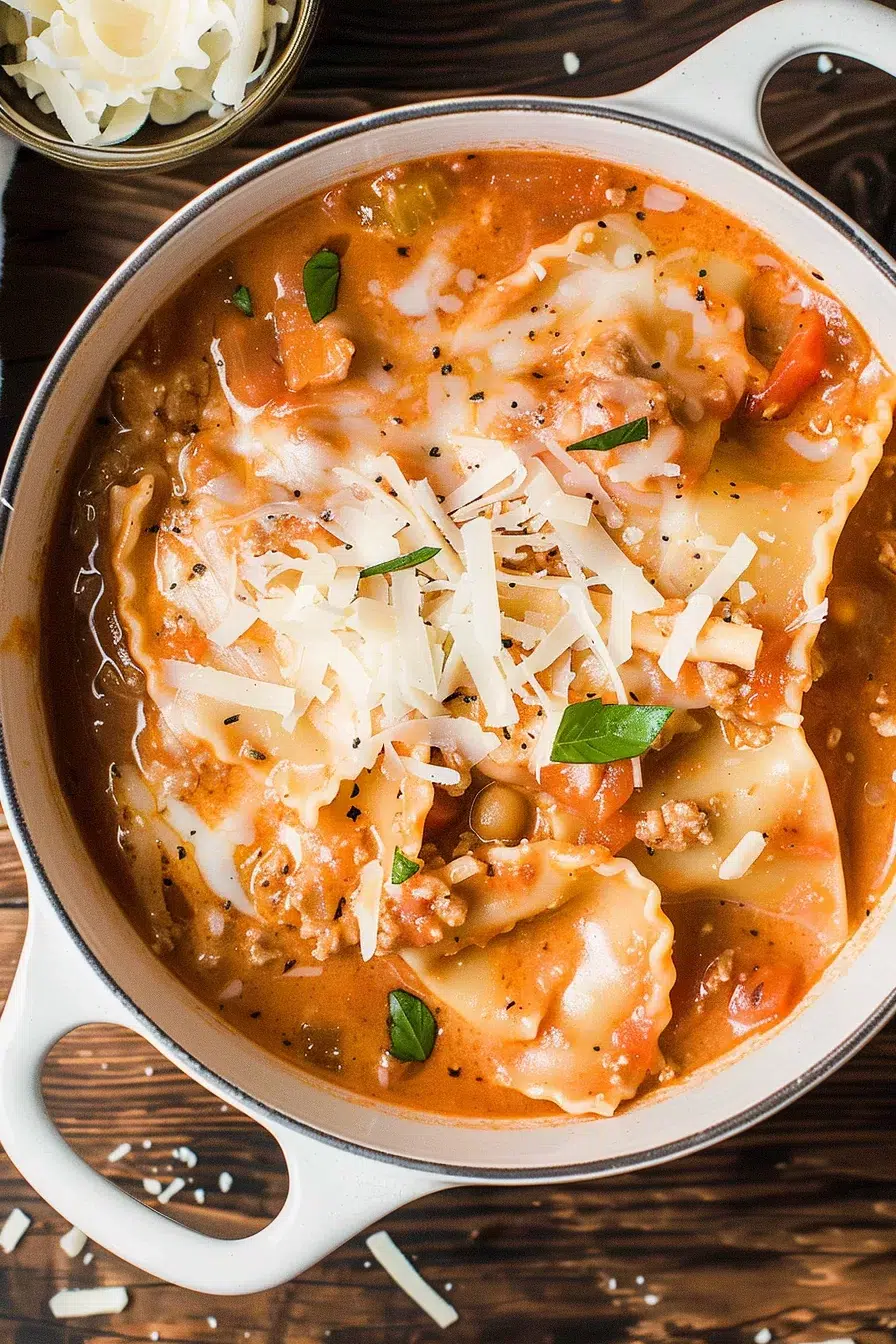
{"x":776,"y":791}
{"x":462,"y":537}
{"x":565,"y":969}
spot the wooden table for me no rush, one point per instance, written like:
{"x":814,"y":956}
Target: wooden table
{"x":790,"y":1228}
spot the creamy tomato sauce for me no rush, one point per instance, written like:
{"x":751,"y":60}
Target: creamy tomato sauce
{"x":597,"y":440}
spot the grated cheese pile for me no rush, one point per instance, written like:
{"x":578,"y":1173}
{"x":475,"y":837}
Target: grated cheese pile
{"x":363,"y":663}
{"x":105,"y":66}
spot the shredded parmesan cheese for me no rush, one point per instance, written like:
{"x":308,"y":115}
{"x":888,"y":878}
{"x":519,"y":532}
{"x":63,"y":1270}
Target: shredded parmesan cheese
{"x":367,"y":906}
{"x":104,"y":69}
{"x":400,"y":1269}
{"x":171,"y":1189}
{"x":436,"y":774}
{"x":13,"y":1230}
{"x":743,"y":856}
{"x":685,"y":632}
{"x":480,"y":563}
{"x":596,"y":551}
{"x":492,"y":463}
{"x":698,"y":607}
{"x":812,"y":616}
{"x":228,"y":687}
{"x":75,"y":1302}
{"x":732,"y":565}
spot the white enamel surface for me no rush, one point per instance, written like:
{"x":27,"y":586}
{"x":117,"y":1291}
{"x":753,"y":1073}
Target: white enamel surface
{"x":328,"y":1200}
{"x":718,"y":91}
{"x":707,"y":1105}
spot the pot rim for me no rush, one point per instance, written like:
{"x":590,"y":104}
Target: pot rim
{"x":194,"y":1067}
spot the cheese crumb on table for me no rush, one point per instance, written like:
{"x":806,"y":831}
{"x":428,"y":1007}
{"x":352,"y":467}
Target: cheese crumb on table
{"x":13,"y":1230}
{"x":73,"y":1242}
{"x":400,"y":1269}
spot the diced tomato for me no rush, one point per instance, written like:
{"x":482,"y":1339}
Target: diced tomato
{"x":765,"y":996}
{"x":249,"y":351}
{"x":311,"y":354}
{"x":614,"y":833}
{"x":798,"y":367}
{"x":596,"y":792}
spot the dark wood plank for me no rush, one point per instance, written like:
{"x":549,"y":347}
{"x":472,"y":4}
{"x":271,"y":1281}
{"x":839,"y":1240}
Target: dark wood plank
{"x":790,"y":1227}
{"x":12,"y":878}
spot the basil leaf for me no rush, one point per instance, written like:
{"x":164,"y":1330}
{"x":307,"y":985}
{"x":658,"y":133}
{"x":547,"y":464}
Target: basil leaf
{"x":403,"y":867}
{"x":242,"y":299}
{"x":412,"y":1027}
{"x":401,"y":562}
{"x":320,"y":278}
{"x":592,"y":733}
{"x":633,"y":432}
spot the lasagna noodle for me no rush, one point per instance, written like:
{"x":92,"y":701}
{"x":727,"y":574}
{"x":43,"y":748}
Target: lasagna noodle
{"x":778,"y":791}
{"x":565,"y":973}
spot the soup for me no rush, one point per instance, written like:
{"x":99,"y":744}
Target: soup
{"x":436,"y":608}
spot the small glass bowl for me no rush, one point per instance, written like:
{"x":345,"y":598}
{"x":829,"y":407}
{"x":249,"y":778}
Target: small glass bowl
{"x":155,"y":147}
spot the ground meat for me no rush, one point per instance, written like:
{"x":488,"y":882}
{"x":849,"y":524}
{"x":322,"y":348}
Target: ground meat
{"x":316,"y":895}
{"x":454,"y":762}
{"x":151,"y":405}
{"x":675,"y":826}
{"x":725,"y":690}
{"x":261,"y":946}
{"x":883,"y":724}
{"x":419,"y":913}
{"x":717,"y":973}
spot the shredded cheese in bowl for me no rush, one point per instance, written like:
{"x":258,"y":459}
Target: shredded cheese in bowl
{"x":104,"y":67}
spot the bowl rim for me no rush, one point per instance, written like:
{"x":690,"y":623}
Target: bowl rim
{"x":648,"y":1157}
{"x":131,"y":157}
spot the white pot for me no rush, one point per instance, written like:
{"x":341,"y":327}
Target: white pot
{"x":350,"y":1162}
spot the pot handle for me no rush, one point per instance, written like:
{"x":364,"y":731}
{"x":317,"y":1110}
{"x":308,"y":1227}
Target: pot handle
{"x":332,"y":1194}
{"x":718,"y":91}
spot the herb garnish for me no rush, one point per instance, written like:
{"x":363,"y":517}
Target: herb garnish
{"x":401,"y":562}
{"x":633,"y":432}
{"x":242,"y":299}
{"x":320,"y":278}
{"x":412,"y":1027}
{"x":592,"y":733}
{"x":403,"y":867}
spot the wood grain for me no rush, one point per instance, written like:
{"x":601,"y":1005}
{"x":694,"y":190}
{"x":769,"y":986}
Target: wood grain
{"x":791,"y":1226}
